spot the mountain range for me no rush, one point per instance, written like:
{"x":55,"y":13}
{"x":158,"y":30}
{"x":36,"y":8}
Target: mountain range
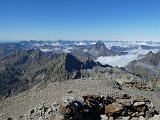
{"x":24,"y":69}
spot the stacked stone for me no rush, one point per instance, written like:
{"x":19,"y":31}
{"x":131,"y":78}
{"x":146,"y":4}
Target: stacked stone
{"x":93,"y":107}
{"x":107,"y":108}
{"x":128,"y":108}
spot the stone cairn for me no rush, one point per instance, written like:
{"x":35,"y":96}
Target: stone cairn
{"x":93,"y":107}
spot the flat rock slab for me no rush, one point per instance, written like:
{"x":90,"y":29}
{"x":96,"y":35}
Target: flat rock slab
{"x":113,"y":108}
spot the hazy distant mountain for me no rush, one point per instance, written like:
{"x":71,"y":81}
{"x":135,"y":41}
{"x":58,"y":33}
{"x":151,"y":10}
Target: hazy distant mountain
{"x":148,"y":47}
{"x":82,"y":50}
{"x":94,"y":51}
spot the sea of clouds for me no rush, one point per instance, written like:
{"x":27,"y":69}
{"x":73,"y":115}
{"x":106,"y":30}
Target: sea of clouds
{"x":123,"y":60}
{"x":136,"y":51}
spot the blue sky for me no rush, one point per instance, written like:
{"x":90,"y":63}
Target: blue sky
{"x":80,"y":19}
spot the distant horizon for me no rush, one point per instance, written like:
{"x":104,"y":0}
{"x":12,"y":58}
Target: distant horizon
{"x":83,"y":40}
{"x":132,"y":20}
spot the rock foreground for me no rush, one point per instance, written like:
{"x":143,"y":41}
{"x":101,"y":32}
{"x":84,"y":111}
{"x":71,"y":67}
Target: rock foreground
{"x":94,"y":107}
{"x":25,"y":102}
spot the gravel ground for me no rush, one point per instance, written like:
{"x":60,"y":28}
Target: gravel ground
{"x":17,"y":105}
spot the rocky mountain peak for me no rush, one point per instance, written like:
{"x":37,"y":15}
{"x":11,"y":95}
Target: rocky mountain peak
{"x":150,"y":52}
{"x":152,"y":58}
{"x":100,"y":45}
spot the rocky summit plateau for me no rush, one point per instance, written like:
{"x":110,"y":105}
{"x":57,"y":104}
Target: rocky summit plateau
{"x":68,"y":80}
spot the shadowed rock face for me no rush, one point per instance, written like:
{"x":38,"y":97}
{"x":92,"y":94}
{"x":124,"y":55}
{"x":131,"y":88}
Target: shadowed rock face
{"x":72,"y":63}
{"x":89,"y":64}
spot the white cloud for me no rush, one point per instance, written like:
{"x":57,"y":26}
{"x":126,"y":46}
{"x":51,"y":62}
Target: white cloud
{"x":81,"y":43}
{"x":67,"y":50}
{"x":120,"y":61}
{"x":46,"y":50}
{"x":123,"y":60}
{"x":57,"y":49}
{"x":55,"y":44}
{"x":85,"y":50}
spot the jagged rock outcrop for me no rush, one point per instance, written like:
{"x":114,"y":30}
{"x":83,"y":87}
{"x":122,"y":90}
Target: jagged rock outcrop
{"x":89,"y":64}
{"x":94,"y":107}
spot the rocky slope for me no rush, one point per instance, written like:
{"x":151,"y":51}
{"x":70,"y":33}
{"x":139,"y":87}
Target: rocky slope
{"x":94,"y":107}
{"x":147,"y":68}
{"x":26,"y":103}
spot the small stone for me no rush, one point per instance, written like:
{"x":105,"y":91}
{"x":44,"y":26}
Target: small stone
{"x":32,"y":111}
{"x":141,"y":118}
{"x":54,"y":104}
{"x":138,"y":103}
{"x":125,"y":112}
{"x":63,"y":108}
{"x":104,"y":117}
{"x":59,"y":117}
{"x":135,"y":114}
{"x":67,"y":99}
{"x":125,"y":102}
{"x":40,"y":107}
{"x":109,"y":100}
{"x":110,"y":118}
{"x":156,"y":117}
{"x":10,"y":118}
{"x":148,"y":115}
{"x":39,"y":113}
{"x":53,"y":117}
{"x":140,"y":108}
{"x":124,"y":96}
{"x":1,"y":115}
{"x":133,"y":118}
{"x":126,"y":118}
{"x":49,"y":110}
{"x":48,"y":113}
{"x":113,"y":108}
{"x":54,"y":109}
{"x":141,"y":113}
{"x":40,"y":118}
{"x":139,"y":99}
